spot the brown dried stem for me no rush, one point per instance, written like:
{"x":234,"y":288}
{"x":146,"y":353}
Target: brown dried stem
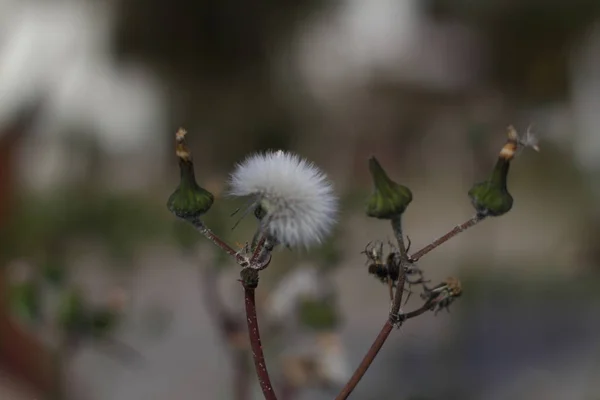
{"x":393,"y":319}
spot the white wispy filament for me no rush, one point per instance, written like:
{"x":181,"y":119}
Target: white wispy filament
{"x":298,"y":199}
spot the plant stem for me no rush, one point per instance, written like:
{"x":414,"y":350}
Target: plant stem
{"x":203,"y":229}
{"x":397,"y":302}
{"x":255,"y":343}
{"x":392,"y":321}
{"x":259,"y":248}
{"x":457,"y":229}
{"x":397,"y":228}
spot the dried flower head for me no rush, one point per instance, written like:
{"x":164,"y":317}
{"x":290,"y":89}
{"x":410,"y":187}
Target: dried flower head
{"x":296,"y":201}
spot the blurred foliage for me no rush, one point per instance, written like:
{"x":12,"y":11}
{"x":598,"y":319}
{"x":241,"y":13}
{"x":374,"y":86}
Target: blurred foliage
{"x":71,"y":316}
{"x":54,"y":272}
{"x":78,"y":319}
{"x":119,"y":222}
{"x":25,"y":300}
{"x":320,"y":315}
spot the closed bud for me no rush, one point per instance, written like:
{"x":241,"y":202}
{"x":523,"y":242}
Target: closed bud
{"x":491,"y":197}
{"x":189,"y":200}
{"x":389,"y":199}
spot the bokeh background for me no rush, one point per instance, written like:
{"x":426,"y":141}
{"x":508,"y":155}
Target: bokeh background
{"x":92,"y":92}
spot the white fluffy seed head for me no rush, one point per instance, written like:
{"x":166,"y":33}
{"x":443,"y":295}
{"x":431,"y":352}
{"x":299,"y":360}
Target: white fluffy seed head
{"x":298,"y":199}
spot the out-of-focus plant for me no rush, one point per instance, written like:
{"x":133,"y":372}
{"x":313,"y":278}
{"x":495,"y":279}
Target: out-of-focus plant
{"x":300,"y":299}
{"x":38,"y":241}
{"x":58,"y":311}
{"x":295,"y":206}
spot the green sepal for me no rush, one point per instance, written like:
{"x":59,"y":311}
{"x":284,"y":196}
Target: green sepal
{"x":189,"y":200}
{"x":491,"y":197}
{"x":389,"y":199}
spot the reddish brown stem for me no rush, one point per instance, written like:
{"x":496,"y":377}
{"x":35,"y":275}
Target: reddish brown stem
{"x":258,"y":250}
{"x":203,"y":229}
{"x":457,"y":229}
{"x":393,"y":318}
{"x":255,"y":344}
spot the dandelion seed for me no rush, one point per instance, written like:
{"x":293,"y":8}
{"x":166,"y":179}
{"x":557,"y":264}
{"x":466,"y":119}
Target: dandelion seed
{"x":530,"y":140}
{"x":294,"y":197}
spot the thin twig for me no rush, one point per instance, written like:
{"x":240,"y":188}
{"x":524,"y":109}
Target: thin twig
{"x":397,"y":303}
{"x":397,"y":228}
{"x":203,"y":229}
{"x":258,"y":250}
{"x":390,"y":288}
{"x":393,"y":320}
{"x":255,"y":343}
{"x":457,"y":229}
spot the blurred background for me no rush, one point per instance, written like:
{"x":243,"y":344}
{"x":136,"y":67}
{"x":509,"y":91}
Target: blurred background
{"x":105,"y":295}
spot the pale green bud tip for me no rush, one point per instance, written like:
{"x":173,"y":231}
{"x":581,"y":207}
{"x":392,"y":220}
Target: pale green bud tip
{"x":189,"y":199}
{"x":389,"y":199}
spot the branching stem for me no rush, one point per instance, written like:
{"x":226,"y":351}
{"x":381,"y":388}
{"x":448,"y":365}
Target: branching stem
{"x":393,"y":320}
{"x":454,"y":232}
{"x":203,"y":229}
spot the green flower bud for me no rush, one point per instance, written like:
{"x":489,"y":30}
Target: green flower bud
{"x":189,"y":200}
{"x":389,"y":199}
{"x":491,"y":197}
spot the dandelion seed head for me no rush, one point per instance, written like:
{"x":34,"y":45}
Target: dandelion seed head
{"x":298,"y":200}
